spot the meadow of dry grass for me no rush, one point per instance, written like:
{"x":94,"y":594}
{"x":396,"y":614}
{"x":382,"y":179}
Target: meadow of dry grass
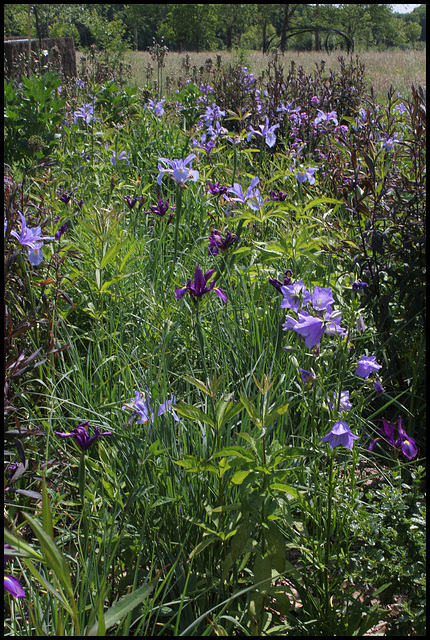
{"x":383,"y":68}
{"x":396,"y":67}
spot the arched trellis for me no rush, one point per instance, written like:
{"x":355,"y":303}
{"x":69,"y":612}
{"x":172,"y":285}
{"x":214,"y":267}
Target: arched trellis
{"x":293,"y":31}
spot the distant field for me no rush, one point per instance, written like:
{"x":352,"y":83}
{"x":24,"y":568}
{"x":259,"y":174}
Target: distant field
{"x":396,"y":67}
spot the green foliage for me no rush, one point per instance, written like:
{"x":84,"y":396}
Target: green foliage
{"x":32,"y":115}
{"x":212,"y":505}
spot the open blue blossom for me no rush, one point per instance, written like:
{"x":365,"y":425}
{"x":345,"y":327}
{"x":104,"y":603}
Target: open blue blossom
{"x":321,"y":298}
{"x":340,"y":434}
{"x":81,"y":435}
{"x":295,"y":295}
{"x":206,"y":144}
{"x":306,"y":174}
{"x":33,"y":239}
{"x":156,"y":107}
{"x":326,"y":117}
{"x":141,"y":408}
{"x":118,"y":157}
{"x":344,"y":403}
{"x":212,"y":114}
{"x":288,"y":108}
{"x":266,"y":132}
{"x":312,"y":328}
{"x":198,"y":288}
{"x":367,"y":365}
{"x":403,"y":442}
{"x":236,"y":190}
{"x":390,"y":141}
{"x":86,"y":113}
{"x":12,"y":584}
{"x":179,"y":170}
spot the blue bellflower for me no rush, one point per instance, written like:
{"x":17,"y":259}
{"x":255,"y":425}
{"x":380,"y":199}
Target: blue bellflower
{"x":340,"y":434}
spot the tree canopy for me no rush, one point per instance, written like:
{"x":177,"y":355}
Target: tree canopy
{"x":197,"y":27}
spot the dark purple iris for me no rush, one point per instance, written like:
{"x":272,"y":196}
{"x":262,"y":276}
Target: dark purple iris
{"x":60,"y":231}
{"x":216,"y":189}
{"x":278,"y":196}
{"x":403,"y":441}
{"x":278,"y":284}
{"x":160,"y":209}
{"x":217,"y":242}
{"x":132,"y":201}
{"x":198,"y":288}
{"x":81,"y":435}
{"x":359,"y":286}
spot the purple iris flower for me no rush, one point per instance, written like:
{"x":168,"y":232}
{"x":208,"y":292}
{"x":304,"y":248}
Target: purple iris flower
{"x":156,"y":107}
{"x":142,"y":407}
{"x":288,"y":108}
{"x":160,"y":209}
{"x":179,"y":170}
{"x":32,"y":239}
{"x":278,"y":284}
{"x":65,"y":196}
{"x":390,"y":141}
{"x":216,"y":189}
{"x":81,"y":435}
{"x":217,"y":242}
{"x":344,"y":403}
{"x":326,"y":117}
{"x":236,"y":190}
{"x":366,"y":366}
{"x":118,"y":157}
{"x":198,"y":288}
{"x":403,"y":442}
{"x":203,"y":145}
{"x":295,"y":296}
{"x":11,"y":584}
{"x":306,"y":174}
{"x":86,"y":112}
{"x":212,"y":115}
{"x":340,"y":434}
{"x":266,"y":132}
{"x":132,"y":201}
{"x":277,"y":196}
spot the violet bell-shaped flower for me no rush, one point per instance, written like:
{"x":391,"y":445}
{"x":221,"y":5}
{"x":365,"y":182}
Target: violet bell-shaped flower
{"x":198,"y":288}
{"x":367,"y":365}
{"x":340,"y":434}
{"x":179,"y":170}
{"x":296,"y":296}
{"x":312,"y":328}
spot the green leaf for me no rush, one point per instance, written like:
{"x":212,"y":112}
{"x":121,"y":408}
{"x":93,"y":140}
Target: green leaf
{"x":53,"y":557}
{"x":203,"y":544}
{"x":198,"y":383}
{"x":236,"y":451}
{"x":194,"y":413}
{"x":48,"y":586}
{"x":21,"y":546}
{"x":46,"y":512}
{"x":250,"y":408}
{"x":124,"y":606}
{"x":221,"y":407}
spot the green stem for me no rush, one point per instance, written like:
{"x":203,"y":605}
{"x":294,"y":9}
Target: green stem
{"x":177,"y":218}
{"x":328,"y":531}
